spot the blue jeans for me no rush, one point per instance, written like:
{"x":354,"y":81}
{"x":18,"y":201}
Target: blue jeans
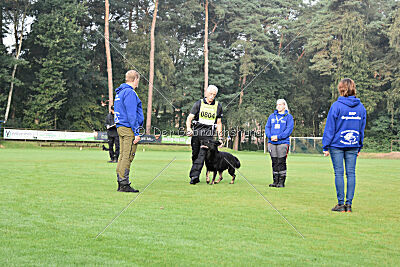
{"x":349,"y":155}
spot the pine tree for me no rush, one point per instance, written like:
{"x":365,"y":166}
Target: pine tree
{"x":60,"y":37}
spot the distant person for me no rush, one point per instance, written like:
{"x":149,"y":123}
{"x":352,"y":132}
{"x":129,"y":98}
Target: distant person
{"x":278,"y":129}
{"x":129,"y":120}
{"x":343,"y":139}
{"x":205,"y":116}
{"x":112,"y":136}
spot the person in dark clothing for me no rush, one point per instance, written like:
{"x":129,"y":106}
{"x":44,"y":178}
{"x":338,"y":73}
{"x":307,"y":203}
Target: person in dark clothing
{"x":343,"y":139}
{"x":113,"y":138}
{"x":205,"y":116}
{"x":278,"y":129}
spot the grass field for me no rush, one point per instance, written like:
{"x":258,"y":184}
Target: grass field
{"x":54,"y":201}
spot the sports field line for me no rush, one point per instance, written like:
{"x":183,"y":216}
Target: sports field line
{"x":267,"y":200}
{"x":133,"y":200}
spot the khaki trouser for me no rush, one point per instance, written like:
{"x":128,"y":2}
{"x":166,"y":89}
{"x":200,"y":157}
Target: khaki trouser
{"x":127,"y":153}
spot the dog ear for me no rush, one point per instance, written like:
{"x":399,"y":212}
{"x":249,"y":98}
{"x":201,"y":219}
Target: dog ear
{"x":218,"y":143}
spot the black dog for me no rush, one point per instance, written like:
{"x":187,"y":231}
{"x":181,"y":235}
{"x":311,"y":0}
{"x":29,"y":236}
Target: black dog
{"x":217,"y":161}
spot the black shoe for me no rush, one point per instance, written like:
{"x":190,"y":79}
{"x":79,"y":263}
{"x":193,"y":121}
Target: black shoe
{"x":110,"y":161}
{"x":347,"y":207}
{"x":195,"y":180}
{"x":127,"y":188}
{"x":115,"y":161}
{"x":339,"y":208}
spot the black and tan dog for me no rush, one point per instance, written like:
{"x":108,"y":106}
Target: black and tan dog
{"x":217,"y":161}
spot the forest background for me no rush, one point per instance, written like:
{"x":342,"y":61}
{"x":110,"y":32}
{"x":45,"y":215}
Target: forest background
{"x":53,"y":69}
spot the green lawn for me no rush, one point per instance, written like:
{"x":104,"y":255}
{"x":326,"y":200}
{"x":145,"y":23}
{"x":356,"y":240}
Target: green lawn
{"x":54,"y":201}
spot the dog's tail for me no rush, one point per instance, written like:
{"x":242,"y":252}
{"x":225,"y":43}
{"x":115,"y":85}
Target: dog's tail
{"x":236,"y":163}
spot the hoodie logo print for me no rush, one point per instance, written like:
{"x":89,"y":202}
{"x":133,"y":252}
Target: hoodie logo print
{"x":350,"y":137}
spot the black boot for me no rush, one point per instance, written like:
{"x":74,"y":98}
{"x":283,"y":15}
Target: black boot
{"x":127,"y":188}
{"x":282,"y":179}
{"x":194,"y":180}
{"x":119,"y":182}
{"x":124,"y":185}
{"x":275,"y":176}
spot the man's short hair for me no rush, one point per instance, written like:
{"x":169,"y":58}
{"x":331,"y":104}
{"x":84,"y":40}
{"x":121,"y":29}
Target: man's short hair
{"x":212,"y":88}
{"x":131,"y":75}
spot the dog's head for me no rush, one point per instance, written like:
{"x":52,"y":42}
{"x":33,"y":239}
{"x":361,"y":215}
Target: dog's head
{"x":211,"y":145}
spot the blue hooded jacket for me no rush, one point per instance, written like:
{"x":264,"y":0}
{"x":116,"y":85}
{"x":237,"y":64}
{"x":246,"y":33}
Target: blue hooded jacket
{"x":280,"y":125}
{"x":128,"y":108}
{"x":345,"y":124}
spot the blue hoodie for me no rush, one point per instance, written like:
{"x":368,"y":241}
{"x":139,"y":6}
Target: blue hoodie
{"x":345,"y":124}
{"x":280,"y":125}
{"x":128,"y":108}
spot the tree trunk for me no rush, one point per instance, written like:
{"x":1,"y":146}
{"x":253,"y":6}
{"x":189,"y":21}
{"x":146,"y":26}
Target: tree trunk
{"x":236,"y":141}
{"x":280,"y":45}
{"x":1,"y":23}
{"x":302,"y":54}
{"x":206,"y":49}
{"x":137,"y":13}
{"x":16,"y":30}
{"x":108,"y":55}
{"x":151,"y":75}
{"x":130,"y":19}
{"x":18,"y":52}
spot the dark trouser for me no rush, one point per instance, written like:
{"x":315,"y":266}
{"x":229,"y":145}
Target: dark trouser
{"x":278,"y":155}
{"x":113,"y":140}
{"x":128,"y":150}
{"x":198,"y":155}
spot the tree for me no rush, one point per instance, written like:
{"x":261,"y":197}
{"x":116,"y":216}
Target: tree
{"x":62,"y":65}
{"x":108,"y":55}
{"x":206,"y":47}
{"x":151,"y":71}
{"x":18,"y":21}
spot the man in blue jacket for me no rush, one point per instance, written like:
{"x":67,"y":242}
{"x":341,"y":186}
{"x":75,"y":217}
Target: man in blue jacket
{"x":129,"y":120}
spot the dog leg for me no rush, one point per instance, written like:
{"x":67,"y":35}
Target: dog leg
{"x":220,"y":178}
{"x":207,"y":177}
{"x":233,"y":179}
{"x":214,"y":175}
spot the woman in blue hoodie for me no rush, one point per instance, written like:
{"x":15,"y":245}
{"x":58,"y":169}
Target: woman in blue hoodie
{"x":278,"y":129}
{"x":343,"y":139}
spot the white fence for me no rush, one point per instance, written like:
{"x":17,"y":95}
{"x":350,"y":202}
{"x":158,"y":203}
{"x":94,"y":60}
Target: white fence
{"x":309,"y":145}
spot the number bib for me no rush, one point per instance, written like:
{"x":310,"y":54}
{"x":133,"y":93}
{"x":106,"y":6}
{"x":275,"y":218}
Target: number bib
{"x":208,"y":113}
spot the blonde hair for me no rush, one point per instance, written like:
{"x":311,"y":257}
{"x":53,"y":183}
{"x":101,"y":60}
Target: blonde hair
{"x":131,"y":76}
{"x":284,"y":102}
{"x":347,"y":87}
